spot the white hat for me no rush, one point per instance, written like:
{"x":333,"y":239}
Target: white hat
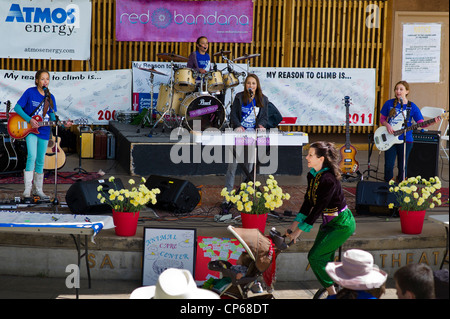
{"x":174,"y":284}
{"x":356,"y":271}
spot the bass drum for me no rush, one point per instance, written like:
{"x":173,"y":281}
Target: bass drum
{"x":204,"y":110}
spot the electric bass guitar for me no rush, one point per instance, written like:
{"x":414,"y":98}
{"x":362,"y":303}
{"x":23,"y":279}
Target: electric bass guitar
{"x":348,"y":163}
{"x":384,"y":141}
{"x":18,"y":128}
{"x":54,"y":149}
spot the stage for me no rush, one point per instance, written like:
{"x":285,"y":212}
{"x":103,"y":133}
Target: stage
{"x":114,"y":257}
{"x":144,"y":152}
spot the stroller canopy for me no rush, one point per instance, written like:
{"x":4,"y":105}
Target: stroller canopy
{"x":258,"y":246}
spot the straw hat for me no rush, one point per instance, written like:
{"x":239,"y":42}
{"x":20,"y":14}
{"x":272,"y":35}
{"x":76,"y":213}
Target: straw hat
{"x":356,"y":271}
{"x":174,"y":284}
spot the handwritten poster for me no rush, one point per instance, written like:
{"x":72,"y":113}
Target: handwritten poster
{"x":211,"y":249}
{"x":97,"y":95}
{"x":167,"y":248}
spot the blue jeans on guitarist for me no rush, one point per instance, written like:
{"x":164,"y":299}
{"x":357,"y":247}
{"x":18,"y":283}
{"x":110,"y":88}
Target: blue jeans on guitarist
{"x":396,"y":151}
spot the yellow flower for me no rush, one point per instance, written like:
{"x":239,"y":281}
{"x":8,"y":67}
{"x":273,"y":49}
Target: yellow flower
{"x":111,"y":179}
{"x":131,"y":181}
{"x":224,"y":192}
{"x":406,"y":199}
{"x":391,"y":205}
{"x":99,"y":188}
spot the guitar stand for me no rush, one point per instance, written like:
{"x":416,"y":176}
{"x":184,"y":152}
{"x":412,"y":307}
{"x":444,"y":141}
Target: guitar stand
{"x":371,"y":144}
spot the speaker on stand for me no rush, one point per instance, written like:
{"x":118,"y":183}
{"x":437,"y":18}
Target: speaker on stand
{"x":424,"y":156}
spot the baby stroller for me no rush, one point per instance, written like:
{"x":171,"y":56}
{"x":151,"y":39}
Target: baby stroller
{"x":257,"y":260}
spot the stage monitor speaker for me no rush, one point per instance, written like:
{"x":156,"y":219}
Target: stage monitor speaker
{"x":177,"y":195}
{"x":374,"y":198}
{"x":81,"y":197}
{"x":423,"y":159}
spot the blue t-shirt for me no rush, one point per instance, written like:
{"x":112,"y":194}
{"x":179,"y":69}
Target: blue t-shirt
{"x":29,"y":100}
{"x":248,"y":115}
{"x":414,"y":114}
{"x":203,"y":60}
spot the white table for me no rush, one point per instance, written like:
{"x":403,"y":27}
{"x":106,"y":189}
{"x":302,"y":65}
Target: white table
{"x":443,"y":219}
{"x":48,"y":223}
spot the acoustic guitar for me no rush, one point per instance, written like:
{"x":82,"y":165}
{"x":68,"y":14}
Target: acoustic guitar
{"x":8,"y":155}
{"x":54,"y":148}
{"x":18,"y":128}
{"x":348,"y":163}
{"x":384,"y":141}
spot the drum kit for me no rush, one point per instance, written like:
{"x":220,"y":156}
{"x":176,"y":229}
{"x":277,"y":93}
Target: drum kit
{"x":190,"y":96}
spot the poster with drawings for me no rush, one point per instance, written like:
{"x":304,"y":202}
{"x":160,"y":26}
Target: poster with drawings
{"x":167,"y":248}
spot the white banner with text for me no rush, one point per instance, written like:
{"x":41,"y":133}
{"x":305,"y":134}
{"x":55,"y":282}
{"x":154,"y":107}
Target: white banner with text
{"x":96,"y":96}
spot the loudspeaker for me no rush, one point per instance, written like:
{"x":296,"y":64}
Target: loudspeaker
{"x":374,"y":198}
{"x":423,"y":159}
{"x":81,"y":197}
{"x":177,"y":195}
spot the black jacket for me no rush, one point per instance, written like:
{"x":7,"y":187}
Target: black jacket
{"x":236,"y":111}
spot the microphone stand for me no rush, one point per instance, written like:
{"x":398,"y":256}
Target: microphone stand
{"x":405,"y":126}
{"x":55,"y":201}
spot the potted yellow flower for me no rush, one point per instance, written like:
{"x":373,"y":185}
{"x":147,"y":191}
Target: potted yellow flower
{"x":126,"y":204}
{"x":255,"y":203}
{"x":414,"y":196}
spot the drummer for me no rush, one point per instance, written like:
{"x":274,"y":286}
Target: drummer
{"x":199,"y":60}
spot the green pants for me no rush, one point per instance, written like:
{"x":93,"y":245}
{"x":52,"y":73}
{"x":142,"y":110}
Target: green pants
{"x":329,"y":238}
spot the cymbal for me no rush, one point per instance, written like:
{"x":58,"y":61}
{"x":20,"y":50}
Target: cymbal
{"x":222,"y":52}
{"x":247,"y":56}
{"x":172,"y":57}
{"x":152,"y":71}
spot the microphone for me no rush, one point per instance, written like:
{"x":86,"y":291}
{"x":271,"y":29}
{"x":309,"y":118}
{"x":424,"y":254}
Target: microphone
{"x":401,"y":102}
{"x":46,"y":91}
{"x":250,"y":92}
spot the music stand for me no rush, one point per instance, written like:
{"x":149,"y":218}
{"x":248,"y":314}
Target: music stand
{"x":80,"y":169}
{"x":371,"y":144}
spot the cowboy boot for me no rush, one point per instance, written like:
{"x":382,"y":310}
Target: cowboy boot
{"x":28,"y":181}
{"x":38,"y":184}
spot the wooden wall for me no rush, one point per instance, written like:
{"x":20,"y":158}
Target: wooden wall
{"x":287,"y":33}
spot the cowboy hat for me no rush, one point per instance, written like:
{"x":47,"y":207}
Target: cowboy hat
{"x":174,"y":284}
{"x":356,"y":271}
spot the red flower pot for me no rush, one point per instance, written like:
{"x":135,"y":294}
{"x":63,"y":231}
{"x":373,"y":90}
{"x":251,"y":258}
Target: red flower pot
{"x":412,"y":221}
{"x":126,"y":223}
{"x":254,"y":221}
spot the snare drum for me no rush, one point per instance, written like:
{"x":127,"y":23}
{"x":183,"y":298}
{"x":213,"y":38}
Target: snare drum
{"x":230,"y":80}
{"x":204,"y":108}
{"x":163,"y":102}
{"x":215,"y":81}
{"x":184,"y":80}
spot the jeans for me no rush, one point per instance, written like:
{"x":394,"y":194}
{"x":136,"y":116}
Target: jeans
{"x":396,"y":151}
{"x":36,"y":148}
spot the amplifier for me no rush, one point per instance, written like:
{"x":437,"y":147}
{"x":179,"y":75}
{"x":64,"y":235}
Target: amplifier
{"x":423,"y":159}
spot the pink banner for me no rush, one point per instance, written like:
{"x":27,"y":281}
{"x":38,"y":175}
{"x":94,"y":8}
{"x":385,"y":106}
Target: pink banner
{"x":184,"y":21}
